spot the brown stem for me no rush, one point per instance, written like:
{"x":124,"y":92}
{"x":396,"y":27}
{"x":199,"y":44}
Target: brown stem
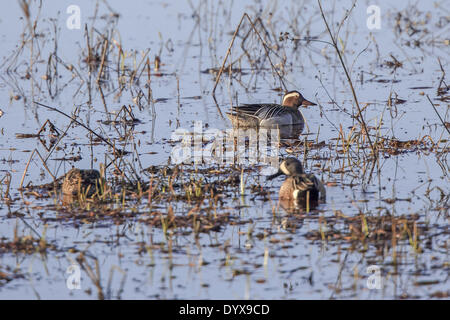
{"x":360,"y":116}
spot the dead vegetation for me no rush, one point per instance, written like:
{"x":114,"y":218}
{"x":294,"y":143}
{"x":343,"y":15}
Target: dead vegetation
{"x":185,"y":204}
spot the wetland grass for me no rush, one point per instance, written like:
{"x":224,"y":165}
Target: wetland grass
{"x":209,"y":223}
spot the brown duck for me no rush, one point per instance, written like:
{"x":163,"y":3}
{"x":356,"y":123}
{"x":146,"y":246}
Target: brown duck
{"x":299,"y":188}
{"x":79,"y":181}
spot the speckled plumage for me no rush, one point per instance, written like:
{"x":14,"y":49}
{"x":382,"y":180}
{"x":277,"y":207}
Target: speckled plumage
{"x":78,"y":180}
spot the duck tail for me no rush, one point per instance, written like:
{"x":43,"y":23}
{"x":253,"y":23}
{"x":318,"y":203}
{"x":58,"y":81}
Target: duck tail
{"x":322,"y":190}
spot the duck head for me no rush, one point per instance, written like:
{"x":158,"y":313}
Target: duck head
{"x":289,"y":167}
{"x":295,"y":99}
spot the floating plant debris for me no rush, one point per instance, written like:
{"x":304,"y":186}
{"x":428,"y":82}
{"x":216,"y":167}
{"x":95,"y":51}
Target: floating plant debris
{"x":117,"y":160}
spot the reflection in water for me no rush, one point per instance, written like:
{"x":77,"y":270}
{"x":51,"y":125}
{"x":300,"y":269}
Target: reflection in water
{"x":291,"y":131}
{"x":292,"y":197}
{"x":298,"y":205}
{"x":282,"y":131}
{"x":397,"y":221}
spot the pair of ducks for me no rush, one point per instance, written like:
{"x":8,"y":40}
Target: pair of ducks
{"x":300,"y":188}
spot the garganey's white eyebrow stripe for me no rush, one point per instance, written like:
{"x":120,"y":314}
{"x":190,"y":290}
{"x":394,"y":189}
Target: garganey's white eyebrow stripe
{"x":289,"y":95}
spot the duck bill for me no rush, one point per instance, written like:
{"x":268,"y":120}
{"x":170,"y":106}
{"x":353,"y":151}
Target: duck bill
{"x":308,"y":103}
{"x":273,"y":176}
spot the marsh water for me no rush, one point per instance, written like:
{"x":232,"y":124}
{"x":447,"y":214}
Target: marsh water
{"x":391,"y":213}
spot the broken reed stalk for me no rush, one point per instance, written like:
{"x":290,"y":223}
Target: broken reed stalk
{"x":95,"y":277}
{"x":217,"y":106}
{"x":28,"y":164}
{"x":6,"y":181}
{"x":135,"y":71}
{"x":440,"y":118}
{"x":149,"y":82}
{"x":88,"y":47}
{"x":178,"y":95}
{"x":116,"y":150}
{"x":102,"y":96}
{"x":57,"y":142}
{"x":360,"y":116}
{"x":102,"y":63}
{"x":245,"y":15}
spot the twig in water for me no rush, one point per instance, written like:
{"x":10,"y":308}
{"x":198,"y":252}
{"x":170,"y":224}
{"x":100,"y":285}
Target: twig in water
{"x":116,"y":150}
{"x":28,"y":164}
{"x":245,"y":15}
{"x":360,"y":116}
{"x":434,"y":107}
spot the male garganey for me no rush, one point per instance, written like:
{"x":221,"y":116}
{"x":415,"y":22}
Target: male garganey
{"x":271,"y":115}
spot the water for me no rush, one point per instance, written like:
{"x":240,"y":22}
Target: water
{"x":272,"y":254}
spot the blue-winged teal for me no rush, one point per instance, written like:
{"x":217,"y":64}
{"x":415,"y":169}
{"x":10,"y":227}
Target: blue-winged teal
{"x":271,"y":115}
{"x":303,"y":188}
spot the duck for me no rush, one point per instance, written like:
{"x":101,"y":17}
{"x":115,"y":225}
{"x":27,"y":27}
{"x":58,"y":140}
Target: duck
{"x":299,"y":188}
{"x":269,"y":115}
{"x":81,"y":181}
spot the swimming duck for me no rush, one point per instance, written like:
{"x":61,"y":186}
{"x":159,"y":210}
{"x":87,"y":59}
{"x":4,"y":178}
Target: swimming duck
{"x":300,"y":187}
{"x":81,"y":181}
{"x":271,"y":115}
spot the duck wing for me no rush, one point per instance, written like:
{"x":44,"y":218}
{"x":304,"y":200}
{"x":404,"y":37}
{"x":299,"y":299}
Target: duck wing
{"x":271,"y":111}
{"x":304,"y":182}
{"x":256,"y":109}
{"x":309,"y":182}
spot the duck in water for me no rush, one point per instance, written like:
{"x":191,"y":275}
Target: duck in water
{"x":79,"y":181}
{"x":300,"y":189}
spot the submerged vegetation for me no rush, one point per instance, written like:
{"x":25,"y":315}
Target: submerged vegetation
{"x":90,"y":179}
